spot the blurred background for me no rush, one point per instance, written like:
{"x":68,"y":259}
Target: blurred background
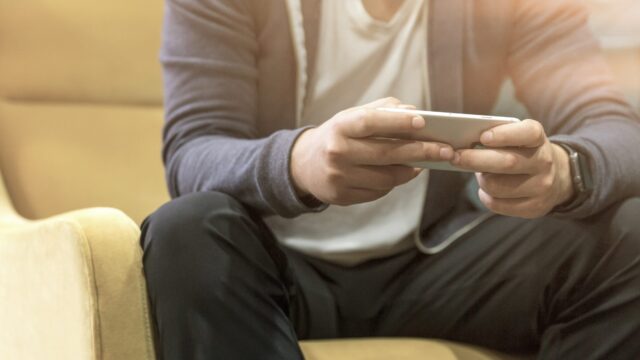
{"x":616,"y":23}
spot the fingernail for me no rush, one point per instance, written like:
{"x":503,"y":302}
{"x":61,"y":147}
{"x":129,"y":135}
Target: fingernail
{"x":446,"y":153}
{"x":456,"y":158}
{"x":418,"y":122}
{"x":486,"y":137}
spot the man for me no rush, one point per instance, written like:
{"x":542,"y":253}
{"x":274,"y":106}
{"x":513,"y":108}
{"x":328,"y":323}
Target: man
{"x":295,"y":220}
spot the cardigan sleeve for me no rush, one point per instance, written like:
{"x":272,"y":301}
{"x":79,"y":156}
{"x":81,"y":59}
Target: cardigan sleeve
{"x":210,"y":138}
{"x":562,"y":78}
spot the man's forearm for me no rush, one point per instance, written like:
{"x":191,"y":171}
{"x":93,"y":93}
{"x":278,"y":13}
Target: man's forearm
{"x":254,"y":171}
{"x":611,"y":147}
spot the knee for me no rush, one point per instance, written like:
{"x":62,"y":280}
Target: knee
{"x":180,"y":219}
{"x":179,"y":239}
{"x":626,"y":220}
{"x":623,"y":236}
{"x":192,"y":237}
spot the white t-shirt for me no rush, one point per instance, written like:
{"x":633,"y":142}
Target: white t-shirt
{"x":361,"y":59}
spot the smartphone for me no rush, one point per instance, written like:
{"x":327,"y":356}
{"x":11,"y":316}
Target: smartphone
{"x":461,"y":131}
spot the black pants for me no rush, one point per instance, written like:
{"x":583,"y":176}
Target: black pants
{"x":221,"y":288}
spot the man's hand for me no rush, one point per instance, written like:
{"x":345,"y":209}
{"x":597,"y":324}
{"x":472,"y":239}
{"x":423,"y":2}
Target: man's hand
{"x":345,"y":161}
{"x":520,"y":172}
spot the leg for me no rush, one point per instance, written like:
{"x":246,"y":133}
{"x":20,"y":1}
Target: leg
{"x":570,"y":290}
{"x":602,"y":319}
{"x":219,"y":286}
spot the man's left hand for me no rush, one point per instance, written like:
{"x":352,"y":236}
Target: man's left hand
{"x":520,"y":172}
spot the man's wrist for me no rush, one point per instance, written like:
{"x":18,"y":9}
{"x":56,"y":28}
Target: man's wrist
{"x":580,"y":177}
{"x":297,"y":174}
{"x":567,"y":191}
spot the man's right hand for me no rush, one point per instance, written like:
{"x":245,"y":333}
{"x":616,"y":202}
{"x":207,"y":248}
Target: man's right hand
{"x":344,"y":161}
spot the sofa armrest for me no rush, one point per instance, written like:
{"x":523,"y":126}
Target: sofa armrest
{"x":71,"y":287}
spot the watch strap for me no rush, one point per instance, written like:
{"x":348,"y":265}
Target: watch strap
{"x":580,"y":178}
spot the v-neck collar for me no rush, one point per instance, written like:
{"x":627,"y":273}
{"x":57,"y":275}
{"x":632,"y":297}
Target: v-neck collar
{"x":359,"y":14}
{"x":445,"y":44}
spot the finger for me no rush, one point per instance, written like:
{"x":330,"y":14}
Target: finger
{"x":497,"y":161}
{"x":528,"y":208}
{"x":394,"y":152}
{"x":368,"y":122}
{"x":383,"y":178}
{"x":527,"y":133}
{"x":385,"y":102}
{"x":389,"y":101}
{"x":510,"y":186}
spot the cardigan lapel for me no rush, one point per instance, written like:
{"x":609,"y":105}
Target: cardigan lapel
{"x":445,"y":54}
{"x":311,"y":10}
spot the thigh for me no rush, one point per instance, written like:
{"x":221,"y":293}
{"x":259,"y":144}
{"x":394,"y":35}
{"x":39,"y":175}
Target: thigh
{"x":206,"y":253}
{"x":314,"y":311}
{"x":499,"y":286}
{"x":512,"y":284}
{"x":218,"y":285}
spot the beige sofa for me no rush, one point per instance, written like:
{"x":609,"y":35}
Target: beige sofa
{"x":80,"y":128}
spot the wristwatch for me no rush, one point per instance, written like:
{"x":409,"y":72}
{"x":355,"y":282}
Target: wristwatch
{"x":580,"y":177}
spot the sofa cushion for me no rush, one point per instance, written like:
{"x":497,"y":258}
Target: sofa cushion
{"x":397,"y":349}
{"x":81,"y":51}
{"x":60,"y":157}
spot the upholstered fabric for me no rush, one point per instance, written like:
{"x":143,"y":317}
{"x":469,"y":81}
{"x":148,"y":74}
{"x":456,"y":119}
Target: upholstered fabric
{"x":81,"y":102}
{"x":57,"y":157}
{"x":76,"y":51}
{"x":71,"y":287}
{"x":46,"y":293}
{"x":396,"y":349}
{"x":7,"y":212}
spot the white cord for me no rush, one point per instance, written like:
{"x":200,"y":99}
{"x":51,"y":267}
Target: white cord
{"x":451,"y":239}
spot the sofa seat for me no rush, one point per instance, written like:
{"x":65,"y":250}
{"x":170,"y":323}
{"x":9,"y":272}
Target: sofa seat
{"x":396,"y":349}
